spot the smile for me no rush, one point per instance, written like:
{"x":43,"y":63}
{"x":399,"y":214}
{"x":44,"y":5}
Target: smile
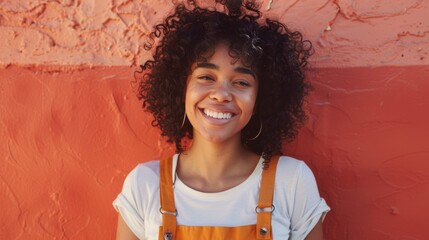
{"x":217,"y":115}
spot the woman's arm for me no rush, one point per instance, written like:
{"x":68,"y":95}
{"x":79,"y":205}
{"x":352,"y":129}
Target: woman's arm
{"x":123,"y":232}
{"x":317,"y":232}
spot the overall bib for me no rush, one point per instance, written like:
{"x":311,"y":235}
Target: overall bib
{"x":259,"y":231}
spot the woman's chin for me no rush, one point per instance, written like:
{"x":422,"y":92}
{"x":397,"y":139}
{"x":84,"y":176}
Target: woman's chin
{"x":219,"y":138}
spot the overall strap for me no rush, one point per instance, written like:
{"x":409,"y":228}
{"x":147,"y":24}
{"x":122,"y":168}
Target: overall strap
{"x":168,"y":209}
{"x":265,"y":203}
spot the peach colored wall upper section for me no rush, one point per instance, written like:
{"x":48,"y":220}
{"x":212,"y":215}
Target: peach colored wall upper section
{"x":346,"y":33}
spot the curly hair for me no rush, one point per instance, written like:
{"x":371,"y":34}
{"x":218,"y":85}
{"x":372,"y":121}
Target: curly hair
{"x":277,"y":55}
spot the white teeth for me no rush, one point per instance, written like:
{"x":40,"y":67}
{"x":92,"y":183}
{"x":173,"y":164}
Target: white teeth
{"x":217,"y":115}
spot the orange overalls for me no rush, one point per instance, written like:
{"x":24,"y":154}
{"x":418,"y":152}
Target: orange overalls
{"x":261,"y":230}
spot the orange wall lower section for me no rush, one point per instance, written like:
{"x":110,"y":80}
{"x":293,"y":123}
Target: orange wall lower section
{"x":69,"y":137}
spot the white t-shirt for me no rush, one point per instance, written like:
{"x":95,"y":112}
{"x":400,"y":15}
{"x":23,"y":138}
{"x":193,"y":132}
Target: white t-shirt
{"x":298,"y":206}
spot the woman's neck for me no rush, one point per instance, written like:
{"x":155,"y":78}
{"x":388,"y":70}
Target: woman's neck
{"x":212,"y":167}
{"x":216,"y":155}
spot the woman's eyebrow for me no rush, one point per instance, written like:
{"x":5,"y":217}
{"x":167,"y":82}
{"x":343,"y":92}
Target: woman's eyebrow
{"x":216,"y":67}
{"x":245,"y":71}
{"x":207,"y":65}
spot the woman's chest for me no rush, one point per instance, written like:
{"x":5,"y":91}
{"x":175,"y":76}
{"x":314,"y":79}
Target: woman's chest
{"x":235,"y":209}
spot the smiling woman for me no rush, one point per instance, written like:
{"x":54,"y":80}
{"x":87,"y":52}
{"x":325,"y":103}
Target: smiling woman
{"x":220,"y":97}
{"x":235,"y":86}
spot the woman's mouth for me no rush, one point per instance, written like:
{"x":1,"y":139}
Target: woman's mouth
{"x":217,"y":115}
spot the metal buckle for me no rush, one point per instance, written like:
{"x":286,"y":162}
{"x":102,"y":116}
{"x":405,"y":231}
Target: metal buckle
{"x":168,"y":236}
{"x":167,"y":212}
{"x":268,"y":209}
{"x":263,"y":231}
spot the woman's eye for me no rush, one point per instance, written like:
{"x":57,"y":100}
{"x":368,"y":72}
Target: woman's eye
{"x":205,"y":77}
{"x":242,"y":83}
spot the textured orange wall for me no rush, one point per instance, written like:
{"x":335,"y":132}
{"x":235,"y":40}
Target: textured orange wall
{"x":71,"y":127}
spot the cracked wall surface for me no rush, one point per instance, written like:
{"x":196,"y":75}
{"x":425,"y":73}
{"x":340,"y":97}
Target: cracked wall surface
{"x":346,"y":33}
{"x":71,"y":127}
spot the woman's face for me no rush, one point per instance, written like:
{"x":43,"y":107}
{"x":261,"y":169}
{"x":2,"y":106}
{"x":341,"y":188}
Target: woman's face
{"x":220,"y":96}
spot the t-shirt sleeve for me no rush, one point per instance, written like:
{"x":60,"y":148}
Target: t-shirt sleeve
{"x":127,"y":204}
{"x":308,"y":206}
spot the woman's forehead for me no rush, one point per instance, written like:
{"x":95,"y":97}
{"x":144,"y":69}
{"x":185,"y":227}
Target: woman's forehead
{"x":228,"y":52}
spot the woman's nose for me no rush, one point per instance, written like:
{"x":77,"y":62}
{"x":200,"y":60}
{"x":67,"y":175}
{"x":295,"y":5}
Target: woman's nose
{"x":221,"y":92}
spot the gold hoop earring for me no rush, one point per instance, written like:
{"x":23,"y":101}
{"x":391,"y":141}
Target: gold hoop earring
{"x":184,"y":119}
{"x":257,"y":135}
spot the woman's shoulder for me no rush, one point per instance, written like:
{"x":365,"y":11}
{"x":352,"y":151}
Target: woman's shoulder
{"x":144,"y":174}
{"x":292,"y":169}
{"x":290,"y":163}
{"x":147,"y":167}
